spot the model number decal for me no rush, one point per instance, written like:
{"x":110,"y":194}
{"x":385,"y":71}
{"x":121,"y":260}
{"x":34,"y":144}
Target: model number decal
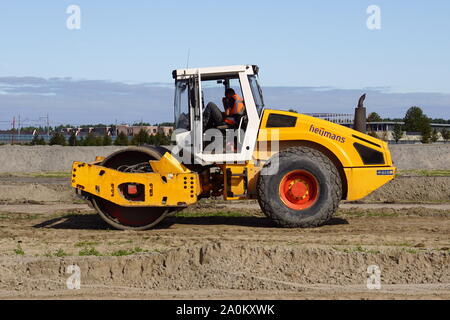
{"x":385,"y":172}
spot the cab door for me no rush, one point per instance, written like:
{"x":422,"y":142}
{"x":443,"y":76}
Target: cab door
{"x":195,"y":98}
{"x":248,"y":139}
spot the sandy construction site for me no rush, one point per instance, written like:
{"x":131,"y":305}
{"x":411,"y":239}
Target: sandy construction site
{"x":218,"y":250}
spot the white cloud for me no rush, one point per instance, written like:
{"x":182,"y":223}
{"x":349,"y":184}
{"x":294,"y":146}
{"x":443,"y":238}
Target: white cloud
{"x":97,"y":101}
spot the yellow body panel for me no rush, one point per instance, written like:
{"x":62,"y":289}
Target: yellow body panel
{"x":171,"y":189}
{"x":362,"y":179}
{"x":168,"y":164}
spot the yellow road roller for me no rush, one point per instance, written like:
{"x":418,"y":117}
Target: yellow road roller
{"x":298,"y":167}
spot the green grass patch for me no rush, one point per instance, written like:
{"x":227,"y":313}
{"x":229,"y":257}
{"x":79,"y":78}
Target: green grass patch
{"x":19,"y":251}
{"x":89,"y":252}
{"x":357,"y":249}
{"x":404,"y":244}
{"x":392,"y":212}
{"x":160,"y":251}
{"x":115,"y":243}
{"x":60,"y":253}
{"x":120,"y":253}
{"x":52,"y":175}
{"x":86,"y":244}
{"x":424,"y":173}
{"x":18,"y":216}
{"x":56,"y":174}
{"x":193,"y":214}
{"x":79,"y":201}
{"x":368,"y":212}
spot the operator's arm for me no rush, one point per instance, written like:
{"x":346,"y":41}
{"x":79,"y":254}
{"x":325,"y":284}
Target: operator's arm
{"x":227,"y":105}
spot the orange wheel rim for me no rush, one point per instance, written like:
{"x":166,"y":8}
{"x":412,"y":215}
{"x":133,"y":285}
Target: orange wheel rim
{"x":299,"y":190}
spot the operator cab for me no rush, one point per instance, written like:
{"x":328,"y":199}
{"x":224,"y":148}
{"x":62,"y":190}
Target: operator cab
{"x":200,"y":124}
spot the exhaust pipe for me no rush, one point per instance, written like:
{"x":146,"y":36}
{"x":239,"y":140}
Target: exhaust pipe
{"x":359,"y":123}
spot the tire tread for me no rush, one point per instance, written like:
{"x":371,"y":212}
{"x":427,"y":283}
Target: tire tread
{"x":290,"y":154}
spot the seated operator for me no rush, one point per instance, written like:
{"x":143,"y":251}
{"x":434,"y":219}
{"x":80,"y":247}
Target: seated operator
{"x":234,"y":109}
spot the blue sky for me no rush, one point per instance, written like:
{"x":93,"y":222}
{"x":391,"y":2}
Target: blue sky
{"x":308,"y":43}
{"x":296,"y":44}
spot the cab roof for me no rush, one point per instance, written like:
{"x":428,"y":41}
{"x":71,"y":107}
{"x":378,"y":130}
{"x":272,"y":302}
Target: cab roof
{"x":215,"y":71}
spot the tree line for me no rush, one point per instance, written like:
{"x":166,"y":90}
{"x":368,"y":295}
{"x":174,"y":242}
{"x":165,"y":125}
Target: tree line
{"x":142,"y":137}
{"x":414,"y":121}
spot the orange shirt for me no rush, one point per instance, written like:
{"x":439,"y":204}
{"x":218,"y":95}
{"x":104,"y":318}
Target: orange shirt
{"x":237,"y":109}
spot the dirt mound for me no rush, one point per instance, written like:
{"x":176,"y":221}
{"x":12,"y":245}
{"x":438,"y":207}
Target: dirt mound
{"x":47,"y":158}
{"x":223,"y":266}
{"x":35,"y":193}
{"x":430,"y":157}
{"x":413,"y":189}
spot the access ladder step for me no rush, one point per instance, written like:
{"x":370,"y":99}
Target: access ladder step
{"x":230,"y":175}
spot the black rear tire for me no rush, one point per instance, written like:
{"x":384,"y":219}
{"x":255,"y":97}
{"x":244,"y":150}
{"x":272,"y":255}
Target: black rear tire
{"x":312,"y":163}
{"x":131,"y":218}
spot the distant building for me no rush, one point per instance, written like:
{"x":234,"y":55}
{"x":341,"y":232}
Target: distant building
{"x":151,"y":130}
{"x":96,"y":131}
{"x":68,"y":131}
{"x":102,"y":131}
{"x":133,"y":130}
{"x":339,"y":118}
{"x":165,"y":130}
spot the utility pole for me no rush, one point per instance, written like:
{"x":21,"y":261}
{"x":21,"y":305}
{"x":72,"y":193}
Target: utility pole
{"x":48,"y":127}
{"x":13,"y":130}
{"x":19,"y":126}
